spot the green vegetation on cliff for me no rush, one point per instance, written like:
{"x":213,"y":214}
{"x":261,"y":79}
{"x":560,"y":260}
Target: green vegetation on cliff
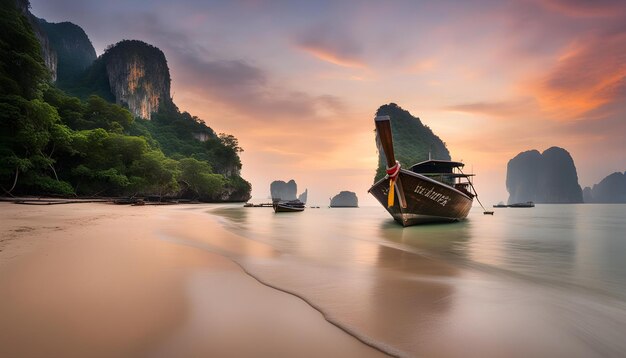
{"x":53,"y":143}
{"x":412,"y":141}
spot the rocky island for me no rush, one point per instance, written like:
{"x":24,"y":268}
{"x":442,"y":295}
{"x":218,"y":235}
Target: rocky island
{"x":287,"y":191}
{"x":611,"y":189}
{"x":284,"y":190}
{"x":548,"y":177}
{"x":345,"y":199}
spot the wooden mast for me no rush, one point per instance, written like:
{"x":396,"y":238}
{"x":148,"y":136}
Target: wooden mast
{"x":383,"y":130}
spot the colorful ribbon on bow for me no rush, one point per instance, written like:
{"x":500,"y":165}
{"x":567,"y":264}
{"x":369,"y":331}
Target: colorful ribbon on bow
{"x":392,"y":173}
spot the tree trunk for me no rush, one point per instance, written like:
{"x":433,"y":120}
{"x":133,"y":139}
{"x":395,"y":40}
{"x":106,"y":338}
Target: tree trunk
{"x":17,"y":173}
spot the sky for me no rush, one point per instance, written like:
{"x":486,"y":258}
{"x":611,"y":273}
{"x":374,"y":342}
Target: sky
{"x":299,"y":82}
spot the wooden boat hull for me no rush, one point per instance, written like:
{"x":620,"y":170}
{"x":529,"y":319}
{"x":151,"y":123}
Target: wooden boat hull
{"x":280,"y":208}
{"x":427,"y":200}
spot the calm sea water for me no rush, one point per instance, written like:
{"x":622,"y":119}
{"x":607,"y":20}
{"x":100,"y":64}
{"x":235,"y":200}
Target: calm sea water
{"x":544,"y":281}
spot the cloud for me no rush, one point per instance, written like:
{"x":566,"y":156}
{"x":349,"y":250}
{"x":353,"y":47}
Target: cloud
{"x":423,"y":66}
{"x":227,"y":75}
{"x":236,"y":83}
{"x":504,"y":109}
{"x":248,"y":89}
{"x":332,"y":45}
{"x":586,"y":8}
{"x":588,"y":75}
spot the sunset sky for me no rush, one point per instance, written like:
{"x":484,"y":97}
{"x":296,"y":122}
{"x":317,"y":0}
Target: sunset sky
{"x":298,"y":82}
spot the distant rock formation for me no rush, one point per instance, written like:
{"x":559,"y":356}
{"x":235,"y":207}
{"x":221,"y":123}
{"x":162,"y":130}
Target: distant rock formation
{"x":138,"y":76}
{"x":73,"y":49}
{"x":611,"y":189}
{"x":412,"y":141}
{"x":284,"y":191}
{"x":303,"y":197}
{"x":548,"y":177}
{"x":345,"y":199}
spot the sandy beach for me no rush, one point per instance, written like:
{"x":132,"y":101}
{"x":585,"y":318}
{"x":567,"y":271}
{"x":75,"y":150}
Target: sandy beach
{"x":212,"y":280}
{"x":104,"y":280}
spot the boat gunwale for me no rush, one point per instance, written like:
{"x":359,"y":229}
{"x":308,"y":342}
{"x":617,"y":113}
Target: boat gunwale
{"x":420,"y":176}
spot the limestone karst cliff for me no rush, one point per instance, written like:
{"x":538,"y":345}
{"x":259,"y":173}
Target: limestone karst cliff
{"x":284,"y":190}
{"x":138,"y":75}
{"x":73,"y":49}
{"x":548,"y":177}
{"x":345,"y":199}
{"x":611,"y":189}
{"x":412,"y":140}
{"x":304,"y":196}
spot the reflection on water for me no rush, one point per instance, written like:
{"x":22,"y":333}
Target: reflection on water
{"x":552,"y":276}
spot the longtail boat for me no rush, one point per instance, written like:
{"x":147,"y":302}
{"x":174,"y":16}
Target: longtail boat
{"x":287,"y":206}
{"x":430,"y":191}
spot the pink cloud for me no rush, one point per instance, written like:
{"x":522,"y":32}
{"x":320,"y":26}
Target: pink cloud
{"x":587,"y":8}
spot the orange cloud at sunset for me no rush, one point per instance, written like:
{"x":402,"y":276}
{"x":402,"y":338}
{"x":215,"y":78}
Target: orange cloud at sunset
{"x":585,"y":78}
{"x":500,"y":109}
{"x":335,"y":59}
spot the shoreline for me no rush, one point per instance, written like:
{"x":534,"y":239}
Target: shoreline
{"x":219,"y":280}
{"x":88,"y":278}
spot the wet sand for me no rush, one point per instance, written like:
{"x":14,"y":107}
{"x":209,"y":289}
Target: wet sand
{"x":104,"y":280}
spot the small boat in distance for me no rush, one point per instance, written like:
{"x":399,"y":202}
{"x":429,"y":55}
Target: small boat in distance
{"x":430,"y":191}
{"x":287,"y":206}
{"x":528,"y":204}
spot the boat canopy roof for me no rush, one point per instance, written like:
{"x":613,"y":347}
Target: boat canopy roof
{"x":436,"y":166}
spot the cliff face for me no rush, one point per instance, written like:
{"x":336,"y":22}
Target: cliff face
{"x":234,"y":195}
{"x":611,"y":189}
{"x":344,"y":199}
{"x":304,"y":196}
{"x":522,"y":176}
{"x":412,"y":140}
{"x":72,"y":46}
{"x":548,"y":177}
{"x":138,"y":76}
{"x":47,"y":51}
{"x":284,"y":191}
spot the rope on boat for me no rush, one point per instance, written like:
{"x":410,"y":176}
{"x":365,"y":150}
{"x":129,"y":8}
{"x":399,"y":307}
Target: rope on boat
{"x":475,"y":192}
{"x":392,"y":173}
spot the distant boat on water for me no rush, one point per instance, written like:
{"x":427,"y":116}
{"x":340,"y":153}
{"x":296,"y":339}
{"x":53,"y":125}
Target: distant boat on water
{"x":528,"y":204}
{"x":430,"y":191}
{"x":288,"y":206}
